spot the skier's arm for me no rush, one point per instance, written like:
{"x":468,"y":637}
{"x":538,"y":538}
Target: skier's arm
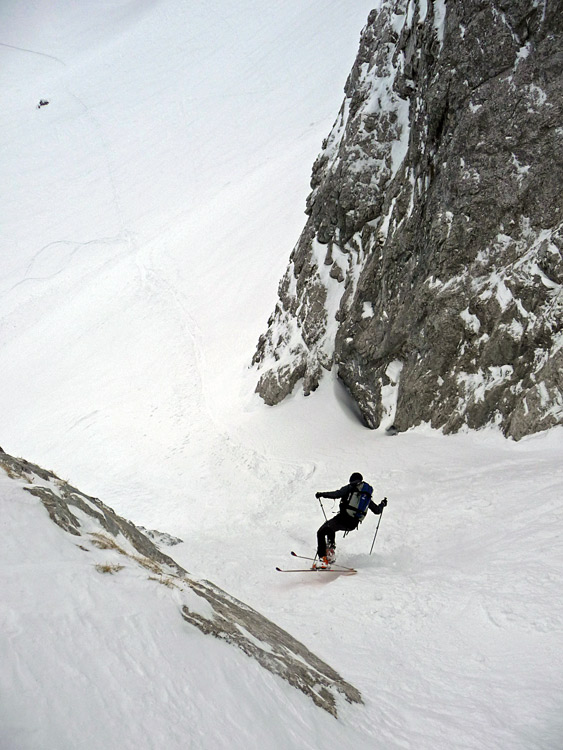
{"x":377,"y":509}
{"x":335,"y":494}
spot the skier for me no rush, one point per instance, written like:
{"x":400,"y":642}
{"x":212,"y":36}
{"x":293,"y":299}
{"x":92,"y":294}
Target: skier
{"x":349,"y":516}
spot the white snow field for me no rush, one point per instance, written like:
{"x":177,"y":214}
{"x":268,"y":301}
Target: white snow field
{"x":147,"y":213}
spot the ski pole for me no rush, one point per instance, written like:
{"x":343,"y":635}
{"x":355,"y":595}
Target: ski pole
{"x":322,"y":508}
{"x":377,"y":528}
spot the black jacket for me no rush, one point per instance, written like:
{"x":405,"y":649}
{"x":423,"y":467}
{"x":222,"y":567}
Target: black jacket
{"x":344,"y":494}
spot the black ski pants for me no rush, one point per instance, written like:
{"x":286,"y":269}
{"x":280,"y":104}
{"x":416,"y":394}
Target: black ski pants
{"x":327,"y":532}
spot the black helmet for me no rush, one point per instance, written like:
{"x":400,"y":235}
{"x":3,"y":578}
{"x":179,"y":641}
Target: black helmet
{"x":356,"y":477}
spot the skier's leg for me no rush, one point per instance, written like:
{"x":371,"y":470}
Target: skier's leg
{"x":321,"y":539}
{"x":340,"y":522}
{"x":327,"y":532}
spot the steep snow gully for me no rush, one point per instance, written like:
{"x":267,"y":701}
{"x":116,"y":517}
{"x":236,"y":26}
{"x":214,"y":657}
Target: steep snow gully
{"x":147,"y":214}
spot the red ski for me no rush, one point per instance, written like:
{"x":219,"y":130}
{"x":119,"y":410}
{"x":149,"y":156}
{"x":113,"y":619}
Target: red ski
{"x":332,"y":568}
{"x":342,"y":571}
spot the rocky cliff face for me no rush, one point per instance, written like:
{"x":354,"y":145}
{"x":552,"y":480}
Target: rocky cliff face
{"x":430,"y":269}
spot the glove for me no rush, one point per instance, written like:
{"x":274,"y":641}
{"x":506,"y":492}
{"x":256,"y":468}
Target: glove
{"x":384,"y":502}
{"x":318,"y":495}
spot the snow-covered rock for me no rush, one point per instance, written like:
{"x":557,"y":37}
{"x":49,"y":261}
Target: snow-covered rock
{"x":114,"y":544}
{"x":435,"y":233}
{"x":160,"y":537}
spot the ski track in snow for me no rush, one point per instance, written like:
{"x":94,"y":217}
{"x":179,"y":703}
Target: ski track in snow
{"x":148,"y":213}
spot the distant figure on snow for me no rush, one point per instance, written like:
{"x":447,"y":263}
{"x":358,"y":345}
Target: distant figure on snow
{"x":355,"y":499}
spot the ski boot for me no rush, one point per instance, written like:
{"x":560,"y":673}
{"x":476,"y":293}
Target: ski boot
{"x":331,"y":554}
{"x":321,"y":563}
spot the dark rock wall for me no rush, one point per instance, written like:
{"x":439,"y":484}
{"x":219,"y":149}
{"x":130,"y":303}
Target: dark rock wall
{"x":430,"y":268}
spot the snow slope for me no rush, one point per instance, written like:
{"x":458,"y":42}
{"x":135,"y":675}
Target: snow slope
{"x":148,"y":212}
{"x":96,"y":659}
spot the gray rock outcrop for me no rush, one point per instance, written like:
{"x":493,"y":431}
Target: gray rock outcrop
{"x":116,"y":542}
{"x":430,"y":269}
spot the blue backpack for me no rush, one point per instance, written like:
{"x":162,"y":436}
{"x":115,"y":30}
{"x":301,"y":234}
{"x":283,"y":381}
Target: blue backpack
{"x":358,"y":502}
